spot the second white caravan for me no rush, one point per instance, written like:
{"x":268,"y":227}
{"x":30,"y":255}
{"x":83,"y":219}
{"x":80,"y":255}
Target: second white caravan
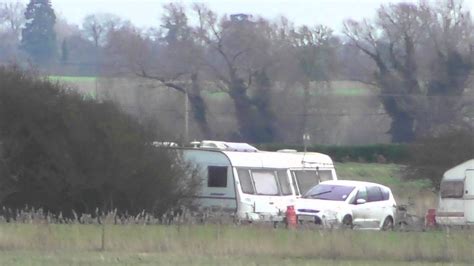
{"x":456,"y":196}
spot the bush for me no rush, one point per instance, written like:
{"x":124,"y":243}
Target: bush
{"x":432,"y":156}
{"x":62,"y":153}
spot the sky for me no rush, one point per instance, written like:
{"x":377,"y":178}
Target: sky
{"x":146,"y":13}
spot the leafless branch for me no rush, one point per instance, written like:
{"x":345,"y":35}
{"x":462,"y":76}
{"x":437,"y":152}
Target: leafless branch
{"x":167,"y":82}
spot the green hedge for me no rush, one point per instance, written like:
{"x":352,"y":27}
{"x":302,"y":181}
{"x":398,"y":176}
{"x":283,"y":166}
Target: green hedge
{"x":390,"y":153}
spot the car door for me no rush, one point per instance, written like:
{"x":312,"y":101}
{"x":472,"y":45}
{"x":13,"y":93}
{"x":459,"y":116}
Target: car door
{"x":360,"y":212}
{"x":376,"y":206}
{"x":267,"y":189}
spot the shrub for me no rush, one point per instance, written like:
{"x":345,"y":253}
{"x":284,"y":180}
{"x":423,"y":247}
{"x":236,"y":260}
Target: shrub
{"x":432,"y":156}
{"x":395,"y":153}
{"x":62,"y":153}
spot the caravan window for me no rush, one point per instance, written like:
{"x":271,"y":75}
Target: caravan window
{"x":325,"y":175}
{"x":265,"y":182}
{"x":452,"y":189}
{"x":245,"y":181}
{"x":284,"y":183}
{"x":306,"y":180}
{"x":217,"y":176}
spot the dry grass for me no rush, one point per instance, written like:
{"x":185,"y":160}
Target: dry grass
{"x":214,"y":243}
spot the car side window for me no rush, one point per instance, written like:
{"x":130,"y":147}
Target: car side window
{"x":385,"y":194}
{"x":374,"y":194}
{"x":361,"y":194}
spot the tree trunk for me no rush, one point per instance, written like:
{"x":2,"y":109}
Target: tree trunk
{"x":402,"y":125}
{"x":244,"y":110}
{"x":262,"y":101}
{"x":198,"y":107}
{"x":254,"y":116}
{"x":401,"y":108}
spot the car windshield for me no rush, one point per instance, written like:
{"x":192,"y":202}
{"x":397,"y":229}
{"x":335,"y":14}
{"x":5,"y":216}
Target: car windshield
{"x":329,"y":192}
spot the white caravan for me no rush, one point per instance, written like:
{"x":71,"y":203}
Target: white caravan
{"x":456,"y":196}
{"x":255,"y":185}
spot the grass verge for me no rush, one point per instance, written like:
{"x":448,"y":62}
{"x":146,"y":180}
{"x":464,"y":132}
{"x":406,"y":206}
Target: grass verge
{"x":47,"y":244}
{"x":417,"y":194}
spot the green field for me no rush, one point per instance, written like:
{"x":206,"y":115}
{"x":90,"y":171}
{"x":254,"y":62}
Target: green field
{"x":386,"y":174}
{"x":418,"y":194}
{"x":340,"y":88}
{"x":72,"y":79}
{"x":351,"y":91}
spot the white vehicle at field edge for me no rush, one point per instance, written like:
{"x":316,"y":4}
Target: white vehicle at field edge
{"x":248,"y":184}
{"x":349,"y":204}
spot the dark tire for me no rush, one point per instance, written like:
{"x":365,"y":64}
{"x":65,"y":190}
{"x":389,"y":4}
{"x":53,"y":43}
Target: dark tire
{"x":347,"y":222}
{"x":387,"y":224}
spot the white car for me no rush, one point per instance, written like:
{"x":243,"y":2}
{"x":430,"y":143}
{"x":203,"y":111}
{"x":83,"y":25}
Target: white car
{"x":350,"y":204}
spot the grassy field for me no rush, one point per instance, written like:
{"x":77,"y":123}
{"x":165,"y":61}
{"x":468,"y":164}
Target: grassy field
{"x":41,"y":244}
{"x":386,"y":174}
{"x":418,"y":194}
{"x":73,"y":79}
{"x":341,"y":88}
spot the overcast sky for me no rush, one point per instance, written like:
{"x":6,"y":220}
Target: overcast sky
{"x":146,"y":13}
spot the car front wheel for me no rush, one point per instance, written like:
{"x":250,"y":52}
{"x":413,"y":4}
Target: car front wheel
{"x":347,"y":222}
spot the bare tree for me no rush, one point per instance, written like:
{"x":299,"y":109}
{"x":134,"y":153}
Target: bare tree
{"x":398,"y":42}
{"x":97,"y":26}
{"x":170,"y":58}
{"x":315,"y":53}
{"x":177,"y":63}
{"x":11,"y":21}
{"x":12,"y":16}
{"x":239,"y":57}
{"x":64,"y":29}
{"x":451,"y":38}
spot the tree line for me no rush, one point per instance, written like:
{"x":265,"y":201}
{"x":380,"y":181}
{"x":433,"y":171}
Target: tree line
{"x":418,"y":57}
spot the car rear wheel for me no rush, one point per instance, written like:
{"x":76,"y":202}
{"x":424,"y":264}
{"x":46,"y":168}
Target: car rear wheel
{"x":387,"y":224}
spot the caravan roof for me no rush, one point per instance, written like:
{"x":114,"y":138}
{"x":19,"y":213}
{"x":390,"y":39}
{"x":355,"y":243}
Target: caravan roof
{"x":227,"y":146}
{"x":278,"y":159}
{"x":245,"y":155}
{"x":458,"y":172}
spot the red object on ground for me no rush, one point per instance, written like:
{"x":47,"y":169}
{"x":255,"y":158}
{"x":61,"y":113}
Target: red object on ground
{"x":291,"y":221}
{"x":430,"y":218}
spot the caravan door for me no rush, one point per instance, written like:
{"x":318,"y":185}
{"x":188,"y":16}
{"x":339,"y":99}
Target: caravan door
{"x":217,"y":188}
{"x":469,"y":196}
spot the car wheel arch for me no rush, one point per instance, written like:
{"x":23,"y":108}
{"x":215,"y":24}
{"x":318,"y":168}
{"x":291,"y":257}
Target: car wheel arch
{"x":383,"y":225}
{"x":343,"y":214}
{"x":347,"y":219}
